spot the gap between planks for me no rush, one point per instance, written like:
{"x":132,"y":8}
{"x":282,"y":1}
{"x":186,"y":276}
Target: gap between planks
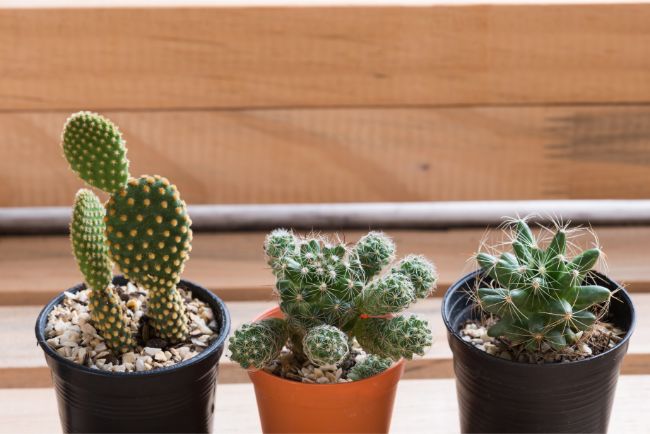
{"x":23,"y":363}
{"x":420,"y":407}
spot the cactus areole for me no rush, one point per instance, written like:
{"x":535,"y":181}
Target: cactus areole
{"x":333,"y":295}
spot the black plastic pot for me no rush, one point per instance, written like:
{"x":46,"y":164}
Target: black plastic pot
{"x":498,"y":395}
{"x":178,"y":398}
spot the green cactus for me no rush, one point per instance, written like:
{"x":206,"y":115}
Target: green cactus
{"x":401,"y":336}
{"x":91,"y":252}
{"x":371,"y":365}
{"x":147,"y":225}
{"x":94,"y":147}
{"x":540,"y":294}
{"x":328,"y":296}
{"x":374,"y":251}
{"x":325,"y":345}
{"x":254,"y":345}
{"x":149,"y":235}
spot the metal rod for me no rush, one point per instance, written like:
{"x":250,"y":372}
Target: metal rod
{"x":406,"y":215}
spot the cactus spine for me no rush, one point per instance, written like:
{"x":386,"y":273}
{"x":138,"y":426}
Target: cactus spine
{"x":147,"y":226}
{"x":540,"y":295}
{"x":91,"y":252}
{"x":331,"y":293}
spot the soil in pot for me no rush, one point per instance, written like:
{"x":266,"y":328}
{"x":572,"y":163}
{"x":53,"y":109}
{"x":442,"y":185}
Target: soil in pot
{"x":179,"y":397}
{"x":71,"y":333}
{"x":299,"y":404}
{"x":500,"y":395}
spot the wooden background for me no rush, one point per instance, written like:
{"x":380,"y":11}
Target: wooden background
{"x":331,"y":104}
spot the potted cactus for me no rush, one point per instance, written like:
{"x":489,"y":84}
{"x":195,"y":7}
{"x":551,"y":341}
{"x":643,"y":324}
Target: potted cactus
{"x":336,"y":344}
{"x":537,"y":334}
{"x":138,"y":352}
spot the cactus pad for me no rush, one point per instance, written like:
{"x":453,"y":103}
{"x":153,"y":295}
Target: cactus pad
{"x":149,"y":235}
{"x":94,"y":147}
{"x":254,"y":345}
{"x":325,"y":345}
{"x":91,"y":252}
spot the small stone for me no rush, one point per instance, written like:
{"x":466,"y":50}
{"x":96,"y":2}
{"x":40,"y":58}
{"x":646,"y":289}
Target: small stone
{"x":467,"y":338}
{"x":322,"y":380}
{"x":318,"y":373}
{"x":128,"y":357}
{"x":151,"y":351}
{"x":160,"y":356}
{"x":584,"y":349}
{"x":139,"y":365}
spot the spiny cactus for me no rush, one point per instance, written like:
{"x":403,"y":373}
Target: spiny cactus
{"x":540,"y":295}
{"x":91,"y":252}
{"x":256,"y":344}
{"x":402,"y":336}
{"x":147,"y":226}
{"x":325,"y":345}
{"x":371,"y":365}
{"x":331,"y":292}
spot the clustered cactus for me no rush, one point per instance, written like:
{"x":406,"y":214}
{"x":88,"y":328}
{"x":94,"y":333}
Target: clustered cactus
{"x":332,"y":293}
{"x":144,"y":228}
{"x":540,"y":295}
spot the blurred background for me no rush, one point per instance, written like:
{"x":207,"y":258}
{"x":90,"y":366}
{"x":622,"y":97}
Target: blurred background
{"x":431,"y":120}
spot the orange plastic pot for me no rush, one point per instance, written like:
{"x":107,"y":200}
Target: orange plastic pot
{"x":364,"y":406}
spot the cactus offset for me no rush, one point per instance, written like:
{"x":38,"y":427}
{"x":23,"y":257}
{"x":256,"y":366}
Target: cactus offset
{"x":91,"y":252}
{"x":254,"y":345}
{"x":325,"y":345}
{"x":371,"y":365}
{"x":147,"y":225}
{"x":540,"y":295}
{"x":331,"y":293}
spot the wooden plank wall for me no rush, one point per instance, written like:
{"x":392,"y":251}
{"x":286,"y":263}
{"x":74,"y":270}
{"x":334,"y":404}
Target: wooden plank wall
{"x":331,"y":104}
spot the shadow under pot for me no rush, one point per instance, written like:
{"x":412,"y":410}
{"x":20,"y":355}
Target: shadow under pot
{"x":286,"y":406}
{"x":178,"y":398}
{"x":498,"y":395}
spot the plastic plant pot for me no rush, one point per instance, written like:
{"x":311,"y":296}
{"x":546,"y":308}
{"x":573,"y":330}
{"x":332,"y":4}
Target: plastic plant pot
{"x":498,"y":395}
{"x":363,"y":406}
{"x":179,"y":398}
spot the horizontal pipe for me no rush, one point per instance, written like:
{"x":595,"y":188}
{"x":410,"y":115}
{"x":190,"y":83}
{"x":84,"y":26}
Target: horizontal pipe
{"x":406,"y":215}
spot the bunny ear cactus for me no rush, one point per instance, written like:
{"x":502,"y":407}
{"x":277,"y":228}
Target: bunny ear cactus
{"x":149,"y":235}
{"x":147,"y":226}
{"x":91,"y":252}
{"x":540,"y":294}
{"x":331,"y":293}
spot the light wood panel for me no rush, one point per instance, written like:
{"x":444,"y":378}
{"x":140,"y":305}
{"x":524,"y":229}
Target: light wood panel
{"x":420,"y":406}
{"x":352,"y":155}
{"x":34,"y":269}
{"x":139,"y":58}
{"x":23,"y":364}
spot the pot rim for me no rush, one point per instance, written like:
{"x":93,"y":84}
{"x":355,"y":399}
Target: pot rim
{"x":270,"y":311}
{"x":215,"y":302}
{"x":508,"y":363}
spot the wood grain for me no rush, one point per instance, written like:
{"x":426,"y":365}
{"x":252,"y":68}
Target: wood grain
{"x":200,"y":57}
{"x":23,"y":363}
{"x":352,"y":155}
{"x":419,"y":406}
{"x":34,"y":269}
